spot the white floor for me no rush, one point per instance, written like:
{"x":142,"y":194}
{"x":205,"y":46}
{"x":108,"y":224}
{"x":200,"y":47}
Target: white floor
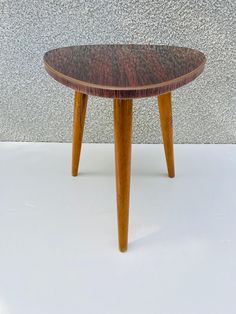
{"x":58,"y":234}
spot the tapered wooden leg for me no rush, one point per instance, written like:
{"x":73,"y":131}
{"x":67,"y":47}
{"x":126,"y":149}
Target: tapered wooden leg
{"x":165,"y":109}
{"x":80,"y":105}
{"x":123,"y":141}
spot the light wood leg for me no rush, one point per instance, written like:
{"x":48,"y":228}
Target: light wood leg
{"x":123,"y":142}
{"x":80,"y":105}
{"x":165,"y":109}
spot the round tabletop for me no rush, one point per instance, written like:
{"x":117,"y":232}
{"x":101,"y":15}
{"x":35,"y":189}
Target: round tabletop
{"x":124,"y":71}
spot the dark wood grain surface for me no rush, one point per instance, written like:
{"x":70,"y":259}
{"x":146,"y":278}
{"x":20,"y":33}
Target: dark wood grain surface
{"x":124,"y":71}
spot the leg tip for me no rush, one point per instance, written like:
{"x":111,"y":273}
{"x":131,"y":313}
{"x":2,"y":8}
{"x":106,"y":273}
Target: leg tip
{"x":171,"y":173}
{"x":123,"y":248}
{"x":74,"y":172}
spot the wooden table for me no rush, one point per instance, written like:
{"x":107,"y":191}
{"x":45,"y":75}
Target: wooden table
{"x":124,"y":72}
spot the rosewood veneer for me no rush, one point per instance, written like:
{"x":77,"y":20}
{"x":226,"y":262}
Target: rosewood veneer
{"x":124,"y":72}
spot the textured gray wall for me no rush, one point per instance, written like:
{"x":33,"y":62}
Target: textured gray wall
{"x":33,"y":107}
